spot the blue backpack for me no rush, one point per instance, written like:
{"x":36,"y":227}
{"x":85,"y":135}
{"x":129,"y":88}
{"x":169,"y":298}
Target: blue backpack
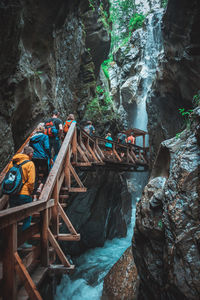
{"x":12,"y":183}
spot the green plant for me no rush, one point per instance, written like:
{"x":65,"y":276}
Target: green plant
{"x":196,"y":100}
{"x":92,"y":4}
{"x":160,"y":224}
{"x":105,"y":65}
{"x":136,"y":22}
{"x":178,"y":135}
{"x":164,"y":3}
{"x":186,"y":115}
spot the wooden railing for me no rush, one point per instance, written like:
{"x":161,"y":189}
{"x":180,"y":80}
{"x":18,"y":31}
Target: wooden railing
{"x":92,"y":151}
{"x":45,"y":213}
{"x":17,"y":271}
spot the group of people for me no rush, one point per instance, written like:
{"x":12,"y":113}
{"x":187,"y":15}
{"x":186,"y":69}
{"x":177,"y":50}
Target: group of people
{"x":42,"y":150}
{"x":122,"y":138}
{"x":36,"y":161}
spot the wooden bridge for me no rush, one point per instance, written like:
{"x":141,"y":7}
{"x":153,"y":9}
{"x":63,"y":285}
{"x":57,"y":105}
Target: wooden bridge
{"x":22,"y":270}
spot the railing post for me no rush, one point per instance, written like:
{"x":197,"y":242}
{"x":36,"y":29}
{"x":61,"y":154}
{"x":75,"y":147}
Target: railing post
{"x":74,"y":146}
{"x":67,"y":170}
{"x":44,"y":238}
{"x":9,"y":273}
{"x":55,"y":215}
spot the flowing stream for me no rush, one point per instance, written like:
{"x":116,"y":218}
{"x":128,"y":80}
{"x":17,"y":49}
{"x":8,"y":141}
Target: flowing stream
{"x":87,"y":281}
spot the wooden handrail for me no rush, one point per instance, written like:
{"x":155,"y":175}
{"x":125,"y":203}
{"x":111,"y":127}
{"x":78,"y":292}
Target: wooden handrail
{"x":18,"y":213}
{"x":56,"y":169}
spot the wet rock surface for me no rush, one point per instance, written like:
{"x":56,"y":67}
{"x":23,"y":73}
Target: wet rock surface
{"x":166,"y":236}
{"x":102,"y":213}
{"x":46,"y":64}
{"x":122,"y":281}
{"x":178,"y":74}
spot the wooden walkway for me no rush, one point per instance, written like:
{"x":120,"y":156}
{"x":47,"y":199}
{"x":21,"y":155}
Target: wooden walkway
{"x":22,"y":270}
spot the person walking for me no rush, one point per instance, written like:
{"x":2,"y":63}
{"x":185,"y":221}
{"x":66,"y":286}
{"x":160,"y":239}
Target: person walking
{"x":28,"y":180}
{"x":41,"y":157}
{"x":54,"y":129}
{"x":89,"y":128}
{"x":68,"y":122}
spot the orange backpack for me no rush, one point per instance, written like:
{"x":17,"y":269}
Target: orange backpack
{"x":67,"y":125}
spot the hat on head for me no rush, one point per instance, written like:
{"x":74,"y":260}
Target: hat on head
{"x":55,"y":112}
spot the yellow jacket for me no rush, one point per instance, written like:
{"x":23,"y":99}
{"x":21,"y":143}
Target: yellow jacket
{"x":28,"y":170}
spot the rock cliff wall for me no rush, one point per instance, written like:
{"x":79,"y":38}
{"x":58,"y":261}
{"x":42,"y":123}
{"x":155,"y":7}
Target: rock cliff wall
{"x":166,"y":236}
{"x":46,"y":63}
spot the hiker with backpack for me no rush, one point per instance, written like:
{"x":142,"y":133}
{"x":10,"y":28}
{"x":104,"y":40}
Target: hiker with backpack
{"x":41,"y":157}
{"x":54,"y":128}
{"x":19,"y":181}
{"x":89,"y":128}
{"x":68,"y":122}
{"x":130,"y":139}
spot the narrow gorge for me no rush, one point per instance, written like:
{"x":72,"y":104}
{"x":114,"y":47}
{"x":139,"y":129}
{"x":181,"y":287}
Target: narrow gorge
{"x":121,"y":64}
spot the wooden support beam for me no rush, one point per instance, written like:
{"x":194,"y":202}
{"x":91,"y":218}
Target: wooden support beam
{"x":77,"y":190}
{"x":66,"y":220}
{"x":86,"y":151}
{"x":9,"y":274}
{"x":116,"y":154}
{"x":82,"y":154}
{"x":76,"y":176}
{"x":69,"y":237}
{"x":58,"y":250}
{"x":44,"y":243}
{"x":26,"y":278}
{"x":83,"y":164}
{"x":92,"y":152}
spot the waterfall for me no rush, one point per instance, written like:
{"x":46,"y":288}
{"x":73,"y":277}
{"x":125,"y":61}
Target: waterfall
{"x":87,"y":281}
{"x":152,"y":50}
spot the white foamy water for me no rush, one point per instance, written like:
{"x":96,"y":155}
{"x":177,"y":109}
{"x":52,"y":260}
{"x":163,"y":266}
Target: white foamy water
{"x":87,"y":281}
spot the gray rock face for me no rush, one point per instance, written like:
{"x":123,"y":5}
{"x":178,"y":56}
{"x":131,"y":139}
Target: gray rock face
{"x":166,"y":237}
{"x":178,"y":76}
{"x":103,"y":212}
{"x":45,"y":64}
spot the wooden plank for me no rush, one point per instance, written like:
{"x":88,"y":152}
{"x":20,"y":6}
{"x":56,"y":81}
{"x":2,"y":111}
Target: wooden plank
{"x":18,"y":213}
{"x":77,"y":190}
{"x":83,"y":164}
{"x":66,"y":220}
{"x":9,"y":275}
{"x":64,"y":196}
{"x":69,"y":237}
{"x":76,"y":176}
{"x":58,"y":250}
{"x":28,"y":233}
{"x":44,"y":242}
